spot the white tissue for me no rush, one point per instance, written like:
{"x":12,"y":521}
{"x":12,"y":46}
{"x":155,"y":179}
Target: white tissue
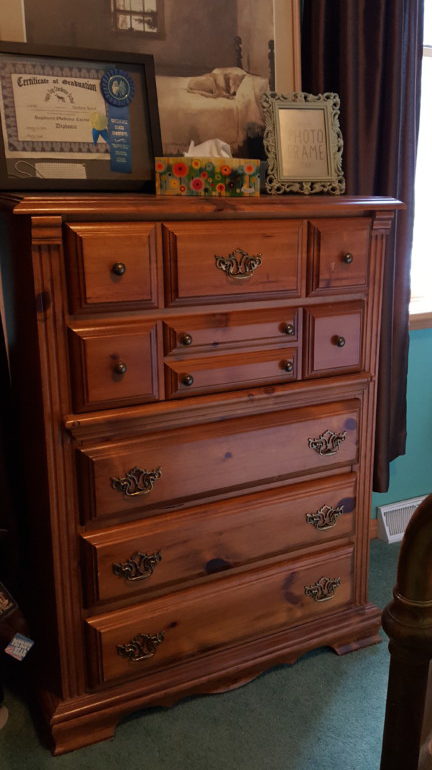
{"x":212,"y":148}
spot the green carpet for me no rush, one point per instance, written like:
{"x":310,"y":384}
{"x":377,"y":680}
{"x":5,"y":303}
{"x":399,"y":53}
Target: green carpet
{"x":323,"y":713}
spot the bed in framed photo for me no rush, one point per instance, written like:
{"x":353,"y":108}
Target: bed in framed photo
{"x":224,"y":103}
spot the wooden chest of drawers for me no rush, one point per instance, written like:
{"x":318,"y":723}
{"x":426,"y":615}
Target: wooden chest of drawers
{"x":196,"y":383}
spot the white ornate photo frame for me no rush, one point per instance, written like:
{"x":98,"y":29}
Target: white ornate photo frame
{"x":303,"y":143}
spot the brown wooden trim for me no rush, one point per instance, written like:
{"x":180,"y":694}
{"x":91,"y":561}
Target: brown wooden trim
{"x":373,"y":529}
{"x":420,"y":321}
{"x":128,"y":206}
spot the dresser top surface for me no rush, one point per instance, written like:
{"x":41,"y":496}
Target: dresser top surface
{"x":140,"y":206}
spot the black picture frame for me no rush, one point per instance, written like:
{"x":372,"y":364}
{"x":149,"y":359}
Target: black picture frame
{"x":23,"y":173}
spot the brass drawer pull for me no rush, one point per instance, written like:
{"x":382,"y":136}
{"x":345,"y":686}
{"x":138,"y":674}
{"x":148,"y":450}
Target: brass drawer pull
{"x":348,"y":258}
{"x":325,"y":517}
{"x":141,"y":647}
{"x":186,"y":339}
{"x":187,"y":379}
{"x":327,"y":443}
{"x":139,"y":567}
{"x":339,"y":341}
{"x":289,"y":329}
{"x":136,"y":482}
{"x":239,"y":264}
{"x":120,"y":368}
{"x":323,"y":590}
{"x":287,"y":366}
{"x":119,"y":268}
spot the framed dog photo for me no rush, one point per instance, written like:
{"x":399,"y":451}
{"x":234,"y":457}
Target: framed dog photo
{"x":303,"y":143}
{"x":74,"y":119}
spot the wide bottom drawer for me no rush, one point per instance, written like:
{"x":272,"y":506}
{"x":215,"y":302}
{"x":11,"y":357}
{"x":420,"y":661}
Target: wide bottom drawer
{"x":129,"y":643}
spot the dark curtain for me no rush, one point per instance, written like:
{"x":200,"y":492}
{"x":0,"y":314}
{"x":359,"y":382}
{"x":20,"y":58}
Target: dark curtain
{"x":369,"y":52}
{"x":6,"y":513}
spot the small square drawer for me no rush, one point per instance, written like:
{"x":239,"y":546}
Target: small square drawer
{"x":112,"y":264}
{"x":229,"y":330}
{"x":333,"y":339}
{"x":165,"y":470}
{"x":156,"y":554}
{"x":338,"y":255}
{"x":222,"y":261}
{"x":227,"y":372}
{"x":131,"y":642}
{"x":114,"y":365}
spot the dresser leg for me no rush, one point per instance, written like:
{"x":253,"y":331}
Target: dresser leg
{"x":356,"y":644}
{"x":84,"y":731}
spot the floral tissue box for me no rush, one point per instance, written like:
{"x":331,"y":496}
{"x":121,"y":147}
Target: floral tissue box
{"x":207,"y":176}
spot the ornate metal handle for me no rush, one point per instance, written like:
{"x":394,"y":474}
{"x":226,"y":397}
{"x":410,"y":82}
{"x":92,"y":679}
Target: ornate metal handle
{"x":339,"y":341}
{"x":325,"y":517}
{"x":327,"y":443}
{"x":239,"y":264}
{"x":186,"y":339}
{"x":141,"y":647}
{"x":187,"y":379}
{"x":119,"y":268}
{"x":288,"y":366}
{"x":138,"y":567}
{"x":120,"y":368}
{"x":347,"y":258}
{"x":323,"y":590}
{"x":288,"y":329}
{"x":136,"y":482}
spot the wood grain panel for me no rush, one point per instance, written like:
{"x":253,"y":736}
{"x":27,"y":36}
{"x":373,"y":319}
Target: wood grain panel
{"x":98,"y":353}
{"x":192,"y":275}
{"x":217,"y":537}
{"x":213,"y":459}
{"x":334,"y":335}
{"x":206,"y":618}
{"x":93,"y":250}
{"x":231,"y":329}
{"x":228,"y":372}
{"x":338,"y":255}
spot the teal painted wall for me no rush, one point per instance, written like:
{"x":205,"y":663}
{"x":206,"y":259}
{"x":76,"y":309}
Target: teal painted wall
{"x":411,"y":475}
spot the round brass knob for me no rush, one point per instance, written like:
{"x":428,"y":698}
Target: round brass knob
{"x":120,"y":368}
{"x":186,"y":339}
{"x":348,"y":258}
{"x":288,"y":366}
{"x":187,"y":379}
{"x":119,"y":268}
{"x":339,"y":341}
{"x":288,"y":329}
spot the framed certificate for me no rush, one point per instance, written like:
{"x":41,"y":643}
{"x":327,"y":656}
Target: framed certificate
{"x":73,"y":119}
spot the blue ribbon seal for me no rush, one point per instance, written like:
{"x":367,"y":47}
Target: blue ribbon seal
{"x":118,"y":90}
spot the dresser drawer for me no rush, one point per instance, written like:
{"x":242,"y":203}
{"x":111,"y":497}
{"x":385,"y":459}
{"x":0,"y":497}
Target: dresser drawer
{"x":208,"y":539}
{"x":112,"y":263}
{"x":339,"y":255}
{"x":227,"y":372}
{"x":198,"y":462}
{"x":229,"y":330}
{"x":129,"y":643}
{"x":334,"y":339}
{"x":221,"y":261}
{"x":114,"y":365}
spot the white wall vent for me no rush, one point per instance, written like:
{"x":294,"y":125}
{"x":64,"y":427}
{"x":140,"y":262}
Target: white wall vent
{"x":393,"y":518}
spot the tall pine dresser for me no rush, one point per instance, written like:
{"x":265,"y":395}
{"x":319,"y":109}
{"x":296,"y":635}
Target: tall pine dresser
{"x":196,"y":385}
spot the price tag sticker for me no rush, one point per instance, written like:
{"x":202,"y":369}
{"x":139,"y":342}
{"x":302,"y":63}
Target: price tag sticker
{"x":19,"y":646}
